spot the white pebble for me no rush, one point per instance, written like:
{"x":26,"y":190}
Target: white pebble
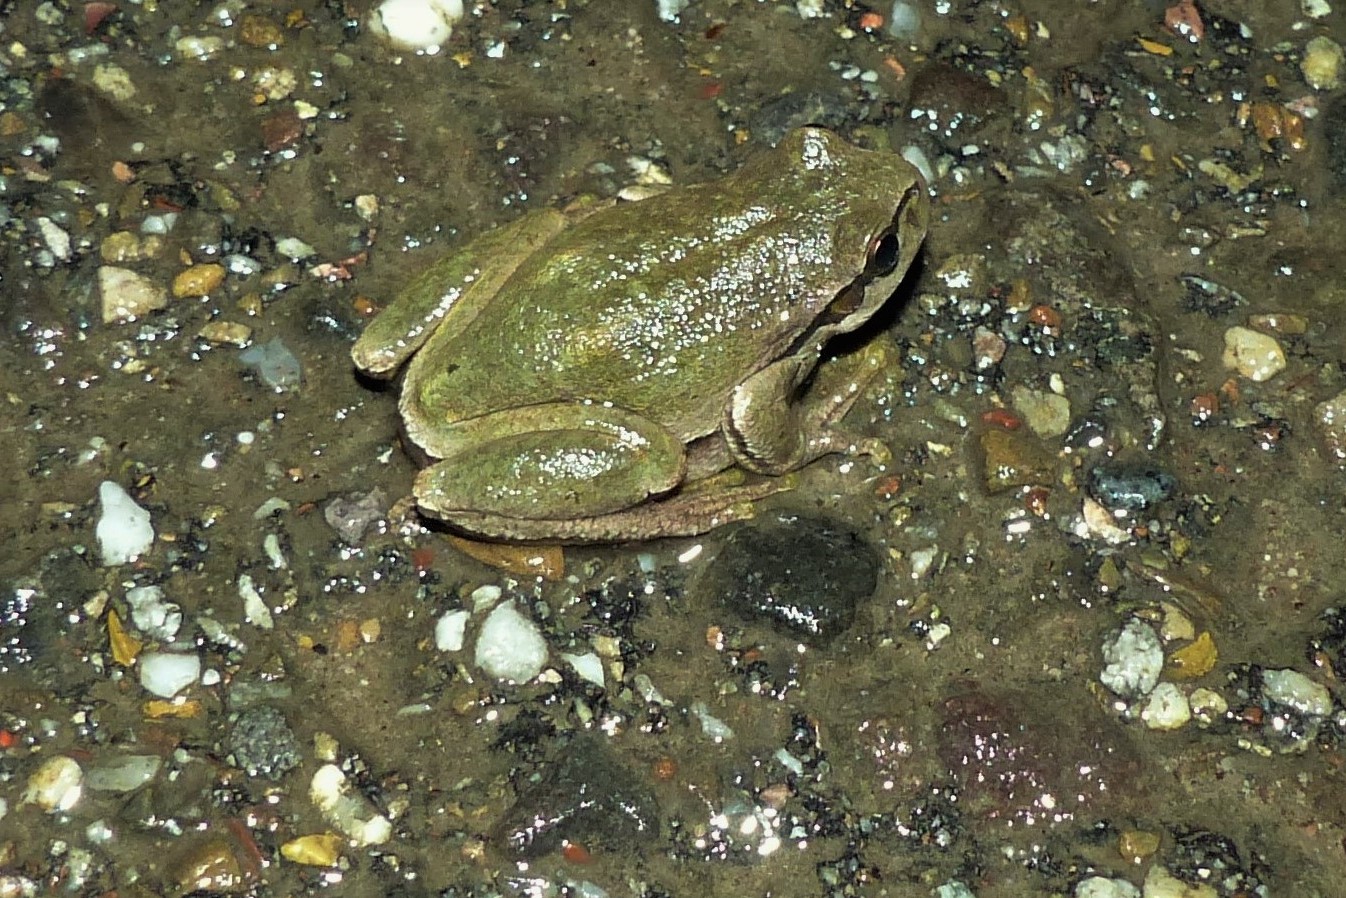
{"x":1159,"y":883}
{"x":1208,"y":706}
{"x":904,"y":21}
{"x":510,"y":646}
{"x":1292,"y":689}
{"x":255,"y":610}
{"x":421,"y":25}
{"x":669,"y":10}
{"x":167,"y":673}
{"x":483,"y":598}
{"x":1134,"y":659}
{"x":711,"y":725}
{"x":589,"y":666}
{"x":123,"y":773}
{"x":56,"y":785}
{"x":57,"y":240}
{"x":1255,"y":355}
{"x":123,"y":531}
{"x":1102,"y":887}
{"x":449,"y":630}
{"x":152,"y":615}
{"x":1167,"y":708}
{"x":351,"y":813}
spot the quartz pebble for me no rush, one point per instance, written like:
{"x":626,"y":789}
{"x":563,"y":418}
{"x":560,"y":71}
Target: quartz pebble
{"x":1134,"y":659}
{"x":1292,"y":689}
{"x":152,"y":615}
{"x":450,"y":630}
{"x":1103,"y":887}
{"x":56,"y":785}
{"x":123,"y":773}
{"x":510,"y":646}
{"x":127,"y":295}
{"x":422,"y":25}
{"x":124,"y":531}
{"x":167,"y":673}
{"x":1256,"y":356}
{"x":350,"y":813}
{"x":1167,"y":708}
{"x":589,"y":666}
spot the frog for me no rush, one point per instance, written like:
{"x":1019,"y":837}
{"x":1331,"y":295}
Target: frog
{"x":627,"y":370}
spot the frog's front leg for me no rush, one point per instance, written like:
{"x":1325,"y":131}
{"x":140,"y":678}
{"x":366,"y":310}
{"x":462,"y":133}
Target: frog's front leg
{"x":771,"y":429}
{"x":554,"y":461}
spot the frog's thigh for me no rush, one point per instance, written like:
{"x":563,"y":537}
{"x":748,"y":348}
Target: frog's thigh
{"x":453,"y":288}
{"x":553,"y":461}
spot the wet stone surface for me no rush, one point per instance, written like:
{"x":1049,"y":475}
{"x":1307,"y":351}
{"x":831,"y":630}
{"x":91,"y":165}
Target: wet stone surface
{"x":586,"y":797}
{"x":803,"y":574}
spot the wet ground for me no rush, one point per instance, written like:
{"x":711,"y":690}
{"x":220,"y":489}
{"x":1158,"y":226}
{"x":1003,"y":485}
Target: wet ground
{"x":1079,"y":636}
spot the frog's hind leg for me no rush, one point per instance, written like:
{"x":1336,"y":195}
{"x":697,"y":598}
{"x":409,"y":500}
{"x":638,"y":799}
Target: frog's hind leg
{"x":556,"y":461}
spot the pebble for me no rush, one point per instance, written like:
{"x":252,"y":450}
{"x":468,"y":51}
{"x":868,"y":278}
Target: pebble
{"x":1130,"y":487}
{"x":805,"y":575}
{"x":450,"y":630}
{"x":1045,"y":413}
{"x":1292,"y":689}
{"x":587,"y":797}
{"x":226,"y":333}
{"x":510,"y":646}
{"x":588,"y":665}
{"x":56,"y":785}
{"x":1134,"y":659}
{"x":56,"y":238}
{"x":198,"y":281}
{"x":127,"y":295}
{"x":128,"y":246}
{"x":1208,"y":706}
{"x":263,"y":744}
{"x":351,"y":515}
{"x":904,"y":21}
{"x":422,"y":25}
{"x":1329,"y":419}
{"x":1256,"y":356}
{"x":275,"y":364}
{"x":1103,"y":887}
{"x":1167,"y":708}
{"x":1159,"y":883}
{"x":123,"y":773}
{"x":350,"y":813}
{"x":152,"y":615}
{"x":1015,"y":458}
{"x":165,"y":674}
{"x":210,"y":866}
{"x":124,"y":531}
{"x":1323,"y":59}
{"x":1096,"y":522}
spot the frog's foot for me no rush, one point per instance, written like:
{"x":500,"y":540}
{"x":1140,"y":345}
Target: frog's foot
{"x":769,"y":432}
{"x":682,"y":514}
{"x":549,"y":462}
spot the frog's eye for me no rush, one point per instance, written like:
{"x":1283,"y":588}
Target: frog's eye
{"x":884,"y":252}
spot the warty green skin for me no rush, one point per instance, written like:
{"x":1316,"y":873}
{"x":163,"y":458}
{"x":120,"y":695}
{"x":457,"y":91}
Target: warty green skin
{"x":579,"y":373}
